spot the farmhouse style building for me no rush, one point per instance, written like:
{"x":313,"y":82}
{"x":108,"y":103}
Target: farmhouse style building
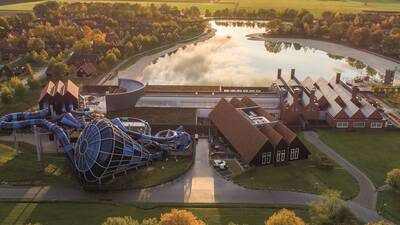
{"x":258,"y":137}
{"x":333,"y":102}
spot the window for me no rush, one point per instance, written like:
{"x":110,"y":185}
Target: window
{"x":278,"y":156}
{"x":282,"y":156}
{"x":342,"y":124}
{"x":376,"y":125}
{"x":359,"y":124}
{"x":264,"y":158}
{"x":269,"y":157}
{"x":294,"y":153}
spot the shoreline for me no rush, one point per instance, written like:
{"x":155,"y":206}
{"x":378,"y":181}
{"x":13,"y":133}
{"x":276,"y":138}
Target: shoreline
{"x":378,"y":62}
{"x":135,"y":70}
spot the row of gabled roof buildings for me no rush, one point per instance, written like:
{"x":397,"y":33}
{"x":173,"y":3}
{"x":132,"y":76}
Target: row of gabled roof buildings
{"x":257,"y":136}
{"x":334,"y":102}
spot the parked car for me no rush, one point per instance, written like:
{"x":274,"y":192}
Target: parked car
{"x":220,"y":164}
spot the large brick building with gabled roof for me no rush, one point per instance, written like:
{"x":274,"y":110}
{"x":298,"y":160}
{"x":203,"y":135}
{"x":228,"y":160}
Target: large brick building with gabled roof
{"x":60,"y":95}
{"x":258,"y":137}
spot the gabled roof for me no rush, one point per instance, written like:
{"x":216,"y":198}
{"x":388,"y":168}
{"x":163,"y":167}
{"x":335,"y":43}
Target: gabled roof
{"x":243,"y":136}
{"x":237,"y":103}
{"x":274,"y":137}
{"x":60,"y":88}
{"x":72,"y":89}
{"x":287,"y":134}
{"x":88,"y":68}
{"x":48,"y":90}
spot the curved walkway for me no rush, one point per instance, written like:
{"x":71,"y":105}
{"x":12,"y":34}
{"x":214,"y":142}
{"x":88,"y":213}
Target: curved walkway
{"x":200,"y":185}
{"x":367,"y":196}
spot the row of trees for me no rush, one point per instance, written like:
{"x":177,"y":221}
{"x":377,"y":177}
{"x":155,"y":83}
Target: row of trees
{"x":373,"y":32}
{"x":16,"y":87}
{"x":89,"y":28}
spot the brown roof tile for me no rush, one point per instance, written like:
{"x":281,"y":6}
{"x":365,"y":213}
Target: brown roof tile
{"x":237,"y":103}
{"x":72,"y":89}
{"x":272,"y":135}
{"x":48,"y":90}
{"x":242,"y":135}
{"x":287,"y":134}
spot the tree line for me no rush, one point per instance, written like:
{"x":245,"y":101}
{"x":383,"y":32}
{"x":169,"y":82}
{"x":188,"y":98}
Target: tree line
{"x":55,"y":29}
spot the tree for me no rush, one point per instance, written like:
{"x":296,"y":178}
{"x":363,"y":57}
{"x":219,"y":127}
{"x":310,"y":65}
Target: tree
{"x":36,"y":44}
{"x":180,"y":217}
{"x":59,"y":69}
{"x":103,"y":66}
{"x":393,"y":178}
{"x":308,"y":18}
{"x":284,"y":217}
{"x":330,"y":210}
{"x":336,"y":30}
{"x":110,"y":59}
{"x":29,"y":70}
{"x":275,"y":25}
{"x":4,"y":23}
{"x":380,"y":223}
{"x":207,"y":13}
{"x":18,"y":86}
{"x":129,"y":48}
{"x":360,"y":36}
{"x":33,"y":82}
{"x":82,"y":46}
{"x":6,"y":94}
{"x":121,"y":221}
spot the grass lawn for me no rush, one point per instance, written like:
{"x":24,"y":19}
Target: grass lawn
{"x":389,"y":205}
{"x":25,"y":170}
{"x":304,"y":176}
{"x":19,"y":104}
{"x":374,"y":152}
{"x":160,"y":172}
{"x":55,"y":170}
{"x":95,"y":214}
{"x":392,"y":100}
{"x":159,"y":115}
{"x":315,"y":6}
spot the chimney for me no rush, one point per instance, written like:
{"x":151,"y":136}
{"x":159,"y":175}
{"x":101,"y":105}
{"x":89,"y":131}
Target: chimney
{"x":312,"y":95}
{"x":279,"y":74}
{"x":338,"y":75}
{"x":296,"y":95}
{"x":354,"y":92}
{"x":292,"y":73}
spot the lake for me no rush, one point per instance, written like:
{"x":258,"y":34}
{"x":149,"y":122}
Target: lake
{"x":231,"y":59}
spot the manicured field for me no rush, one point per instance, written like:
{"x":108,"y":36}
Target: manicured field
{"x":374,"y":152}
{"x":55,"y":170}
{"x":304,"y":176}
{"x":315,"y":6}
{"x":389,"y":205}
{"x":95,"y":214}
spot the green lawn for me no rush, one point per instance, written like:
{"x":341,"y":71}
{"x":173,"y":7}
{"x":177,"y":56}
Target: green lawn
{"x":95,"y":214}
{"x":389,"y":205}
{"x":374,"y":152}
{"x":158,"y":173}
{"x":304,"y":176}
{"x":19,"y":104}
{"x":315,"y":6}
{"x":25,"y":170}
{"x":55,"y":170}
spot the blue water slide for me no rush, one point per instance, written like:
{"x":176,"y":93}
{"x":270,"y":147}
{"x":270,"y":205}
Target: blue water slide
{"x":25,"y":115}
{"x":53,"y":128}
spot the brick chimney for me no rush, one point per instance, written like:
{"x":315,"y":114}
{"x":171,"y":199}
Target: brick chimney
{"x":292,"y":73}
{"x":279,"y":74}
{"x":338,"y":76}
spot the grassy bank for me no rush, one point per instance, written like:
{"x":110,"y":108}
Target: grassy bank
{"x":304,"y":176}
{"x":315,"y":6}
{"x":374,"y":152}
{"x":95,"y":214}
{"x":389,"y":205}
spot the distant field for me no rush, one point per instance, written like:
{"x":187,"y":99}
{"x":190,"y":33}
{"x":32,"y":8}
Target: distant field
{"x":315,"y":6}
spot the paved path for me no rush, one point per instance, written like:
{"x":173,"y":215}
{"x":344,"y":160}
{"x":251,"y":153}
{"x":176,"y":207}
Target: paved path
{"x":201,"y":184}
{"x":368,"y":194}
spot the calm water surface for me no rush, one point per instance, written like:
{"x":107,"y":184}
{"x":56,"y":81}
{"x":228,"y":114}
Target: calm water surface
{"x":229,"y":58}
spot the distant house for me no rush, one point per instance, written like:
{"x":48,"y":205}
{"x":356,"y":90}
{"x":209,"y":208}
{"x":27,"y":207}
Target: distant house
{"x":15,"y":68}
{"x":257,"y":136}
{"x":87,"y":70}
{"x":83,"y":65}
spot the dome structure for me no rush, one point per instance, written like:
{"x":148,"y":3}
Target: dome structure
{"x":103,"y":150}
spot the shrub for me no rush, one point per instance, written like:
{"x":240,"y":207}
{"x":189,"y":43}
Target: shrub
{"x":33,"y":83}
{"x":17,"y":85}
{"x":330,"y":210}
{"x":393,"y":178}
{"x":6,"y":94}
{"x":126,"y":220}
{"x":326,"y":163}
{"x":284,"y":217}
{"x":178,"y":217}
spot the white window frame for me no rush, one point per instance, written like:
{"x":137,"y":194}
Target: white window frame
{"x":342,"y":124}
{"x":294,"y":153}
{"x":264,"y":158}
{"x":283,"y":154}
{"x":358,"y":124}
{"x":376,"y":125}
{"x":278,"y":156}
{"x":269,"y":157}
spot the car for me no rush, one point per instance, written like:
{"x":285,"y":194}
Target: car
{"x":220,"y":164}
